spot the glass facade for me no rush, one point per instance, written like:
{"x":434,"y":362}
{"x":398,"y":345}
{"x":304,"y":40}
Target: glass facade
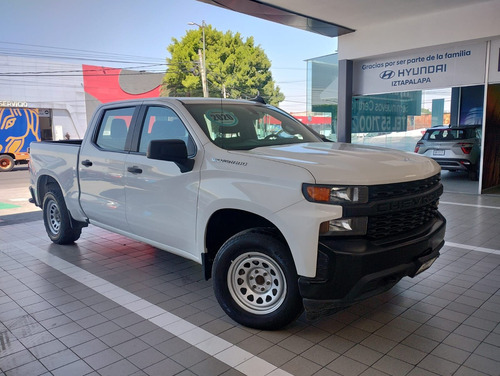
{"x":398,"y":120}
{"x":322,"y":94}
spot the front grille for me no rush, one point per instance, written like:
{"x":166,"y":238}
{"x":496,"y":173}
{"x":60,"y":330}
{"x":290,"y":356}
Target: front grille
{"x":398,"y":222}
{"x":382,"y":226}
{"x":388,"y":191}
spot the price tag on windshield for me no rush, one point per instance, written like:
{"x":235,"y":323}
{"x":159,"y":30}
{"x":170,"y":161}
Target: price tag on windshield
{"x":224,"y":118}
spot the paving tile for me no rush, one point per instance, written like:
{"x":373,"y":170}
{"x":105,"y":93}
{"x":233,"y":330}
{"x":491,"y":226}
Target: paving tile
{"x":392,"y":366}
{"x":209,"y":367}
{"x":122,"y":367}
{"x":78,"y":368}
{"x":320,"y":355}
{"x":28,"y":368}
{"x":102,"y":358}
{"x":407,"y":354}
{"x":59,"y":359}
{"x":346,"y":366}
{"x":301,"y":366}
{"x":461,"y":342}
{"x":89,"y":348}
{"x":168,"y":367}
{"x":441,"y":322}
{"x":438,"y":365}
{"x":381,"y":344}
{"x":146,"y":358}
{"x":363,"y":354}
{"x":277,"y":355}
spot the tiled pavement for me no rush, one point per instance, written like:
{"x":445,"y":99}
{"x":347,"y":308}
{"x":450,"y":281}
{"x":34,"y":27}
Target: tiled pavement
{"x":112,"y":306}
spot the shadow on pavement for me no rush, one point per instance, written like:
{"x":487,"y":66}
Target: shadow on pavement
{"x":12,"y":219}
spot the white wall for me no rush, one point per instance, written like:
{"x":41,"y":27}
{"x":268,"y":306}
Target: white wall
{"x":477,"y":21}
{"x":47,"y":84}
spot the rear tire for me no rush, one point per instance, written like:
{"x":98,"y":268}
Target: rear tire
{"x":255,"y":280}
{"x":6,"y":163}
{"x":59,"y":225}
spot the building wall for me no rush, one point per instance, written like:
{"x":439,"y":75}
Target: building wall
{"x":476,"y":21}
{"x":70,"y":91}
{"x":45,"y":84}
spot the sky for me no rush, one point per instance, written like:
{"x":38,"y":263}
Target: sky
{"x":133,"y":33}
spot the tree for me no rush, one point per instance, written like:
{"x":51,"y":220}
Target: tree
{"x":237,"y":67}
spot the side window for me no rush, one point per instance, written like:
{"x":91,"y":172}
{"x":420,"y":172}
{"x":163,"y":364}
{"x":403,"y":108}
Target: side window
{"x":162,"y":123}
{"x":114,"y":127}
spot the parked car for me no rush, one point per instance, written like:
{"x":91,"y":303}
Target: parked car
{"x":453,"y":148}
{"x":280,"y":219}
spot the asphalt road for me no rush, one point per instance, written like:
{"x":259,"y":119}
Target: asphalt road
{"x":14,"y":196}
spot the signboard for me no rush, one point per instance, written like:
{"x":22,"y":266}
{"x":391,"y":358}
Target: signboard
{"x":385,"y":112}
{"x":429,"y":69}
{"x":13,"y":104}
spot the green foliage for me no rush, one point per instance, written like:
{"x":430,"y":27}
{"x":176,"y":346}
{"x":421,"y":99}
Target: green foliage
{"x":239,"y":66}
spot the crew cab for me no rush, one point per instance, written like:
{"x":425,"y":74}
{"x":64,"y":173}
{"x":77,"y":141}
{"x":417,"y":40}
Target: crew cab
{"x":281,"y":219}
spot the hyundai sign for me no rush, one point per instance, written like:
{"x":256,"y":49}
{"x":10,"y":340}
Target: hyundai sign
{"x":428,"y":69}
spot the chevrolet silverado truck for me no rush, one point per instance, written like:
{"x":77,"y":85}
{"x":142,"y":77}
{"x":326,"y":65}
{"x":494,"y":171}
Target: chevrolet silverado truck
{"x":280,"y":218}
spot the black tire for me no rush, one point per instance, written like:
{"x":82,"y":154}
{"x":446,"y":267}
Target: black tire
{"x":255,"y":280}
{"x":6,"y":163}
{"x":58,"y":223}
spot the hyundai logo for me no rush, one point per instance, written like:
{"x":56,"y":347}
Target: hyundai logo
{"x":387,"y":74}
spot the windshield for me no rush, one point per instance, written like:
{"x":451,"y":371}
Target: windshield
{"x":239,"y":126}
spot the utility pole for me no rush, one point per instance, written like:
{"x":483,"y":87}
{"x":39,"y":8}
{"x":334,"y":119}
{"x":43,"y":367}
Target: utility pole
{"x":203,"y":75}
{"x":202,"y":59}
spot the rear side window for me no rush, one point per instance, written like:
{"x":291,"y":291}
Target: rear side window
{"x":114,"y":128}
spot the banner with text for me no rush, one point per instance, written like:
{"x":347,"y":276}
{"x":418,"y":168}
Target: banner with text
{"x":385,"y":112}
{"x":430,"y":69}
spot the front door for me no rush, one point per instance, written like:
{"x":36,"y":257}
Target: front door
{"x":161,"y":200}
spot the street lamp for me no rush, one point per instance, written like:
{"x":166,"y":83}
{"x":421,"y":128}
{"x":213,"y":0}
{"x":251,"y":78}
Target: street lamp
{"x":203,"y":63}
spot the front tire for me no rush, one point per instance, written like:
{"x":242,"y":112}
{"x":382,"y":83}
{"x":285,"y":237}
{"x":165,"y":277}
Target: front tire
{"x":255,"y":280}
{"x":6,"y":163}
{"x":58,"y":223}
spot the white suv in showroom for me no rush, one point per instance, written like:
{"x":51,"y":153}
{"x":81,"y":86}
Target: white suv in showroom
{"x":455,"y":148}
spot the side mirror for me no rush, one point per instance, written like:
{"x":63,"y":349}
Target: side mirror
{"x":172,"y":151}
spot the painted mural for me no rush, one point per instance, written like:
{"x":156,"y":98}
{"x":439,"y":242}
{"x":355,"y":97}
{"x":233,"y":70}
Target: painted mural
{"x":18,"y":128}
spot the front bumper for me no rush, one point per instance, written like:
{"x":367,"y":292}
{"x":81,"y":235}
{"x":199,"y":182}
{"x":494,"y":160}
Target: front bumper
{"x":353,"y":269}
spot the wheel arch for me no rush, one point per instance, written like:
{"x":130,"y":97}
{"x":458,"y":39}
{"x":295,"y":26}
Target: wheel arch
{"x":223,"y":224}
{"x":45,"y":182}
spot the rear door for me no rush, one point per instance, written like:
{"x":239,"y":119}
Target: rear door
{"x":102,"y":168}
{"x":162,"y":200}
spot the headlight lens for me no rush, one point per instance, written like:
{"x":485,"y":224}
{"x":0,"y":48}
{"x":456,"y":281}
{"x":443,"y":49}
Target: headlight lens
{"x":345,"y":226}
{"x":335,"y":194}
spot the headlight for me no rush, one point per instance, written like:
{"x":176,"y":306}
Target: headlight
{"x":344,"y":226}
{"x":330,"y":194}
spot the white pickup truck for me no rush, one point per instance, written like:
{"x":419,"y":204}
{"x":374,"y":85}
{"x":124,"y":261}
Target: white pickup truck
{"x":281,"y":219}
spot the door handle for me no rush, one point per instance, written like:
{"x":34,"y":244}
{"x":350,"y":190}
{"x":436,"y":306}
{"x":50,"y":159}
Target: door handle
{"x":86,"y":163}
{"x":134,"y":170}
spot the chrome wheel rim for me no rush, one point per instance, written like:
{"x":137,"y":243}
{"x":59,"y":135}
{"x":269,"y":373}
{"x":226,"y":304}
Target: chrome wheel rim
{"x":53,"y":217}
{"x":256,"y":283}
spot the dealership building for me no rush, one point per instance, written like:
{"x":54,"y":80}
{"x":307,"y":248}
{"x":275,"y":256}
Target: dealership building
{"x":392,"y":62}
{"x":395,"y":58}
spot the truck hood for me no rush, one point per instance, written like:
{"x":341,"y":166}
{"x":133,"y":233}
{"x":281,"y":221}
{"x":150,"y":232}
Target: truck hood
{"x":348,"y":164}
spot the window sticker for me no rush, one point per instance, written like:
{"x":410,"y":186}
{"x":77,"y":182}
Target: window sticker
{"x":222,"y":118}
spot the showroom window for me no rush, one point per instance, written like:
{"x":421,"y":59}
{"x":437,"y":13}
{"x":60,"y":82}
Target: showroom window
{"x":398,"y":120}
